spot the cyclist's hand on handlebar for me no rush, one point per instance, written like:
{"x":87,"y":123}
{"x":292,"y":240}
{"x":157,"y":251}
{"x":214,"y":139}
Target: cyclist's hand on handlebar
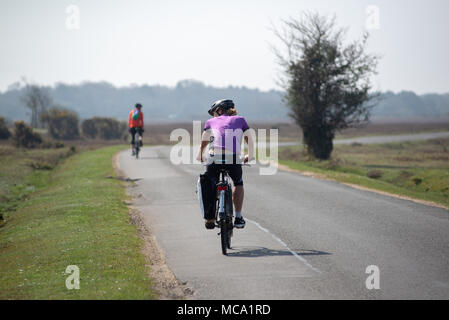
{"x":247,"y":160}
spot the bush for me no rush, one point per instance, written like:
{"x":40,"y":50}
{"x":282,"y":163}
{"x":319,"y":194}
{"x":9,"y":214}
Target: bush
{"x":52,"y":145}
{"x":48,"y":161}
{"x":62,"y":123}
{"x":333,"y":164}
{"x":4,"y":131}
{"x":374,"y":174}
{"x":103,"y":128}
{"x":356,"y":144}
{"x":89,"y":129}
{"x":24,"y":136}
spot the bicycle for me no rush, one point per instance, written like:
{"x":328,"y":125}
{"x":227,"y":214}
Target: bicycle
{"x":136,"y":145}
{"x":224,"y":210}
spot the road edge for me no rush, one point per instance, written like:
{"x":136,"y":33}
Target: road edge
{"x":164,"y":282}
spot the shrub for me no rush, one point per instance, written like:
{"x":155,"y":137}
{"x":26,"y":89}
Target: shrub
{"x":4,"y":131}
{"x":62,"y":123}
{"x":24,"y":136}
{"x":292,"y":154}
{"x":104,"y":128}
{"x":374,"y":174}
{"x":52,"y":145}
{"x":402,"y":177}
{"x":333,"y":164}
{"x":41,"y":165}
{"x":89,"y":129}
{"x":49,"y":161}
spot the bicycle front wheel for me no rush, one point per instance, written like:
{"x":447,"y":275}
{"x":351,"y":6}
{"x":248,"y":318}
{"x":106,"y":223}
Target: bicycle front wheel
{"x":229,"y":238}
{"x":224,"y":236}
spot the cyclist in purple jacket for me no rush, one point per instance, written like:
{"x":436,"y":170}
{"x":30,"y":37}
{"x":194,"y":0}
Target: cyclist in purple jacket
{"x":224,"y":132}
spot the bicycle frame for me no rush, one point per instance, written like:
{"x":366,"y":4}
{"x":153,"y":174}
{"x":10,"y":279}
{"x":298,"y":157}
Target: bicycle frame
{"x":223,"y":187}
{"x":136,"y":145}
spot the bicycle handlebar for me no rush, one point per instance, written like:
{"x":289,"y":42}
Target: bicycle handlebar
{"x":206,"y":164}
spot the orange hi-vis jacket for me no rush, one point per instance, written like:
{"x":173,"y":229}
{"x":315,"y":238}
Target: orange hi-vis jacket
{"x":135,"y":119}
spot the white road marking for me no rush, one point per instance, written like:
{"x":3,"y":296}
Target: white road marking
{"x":284,"y":245}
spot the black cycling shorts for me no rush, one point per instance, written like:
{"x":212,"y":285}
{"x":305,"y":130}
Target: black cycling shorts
{"x":133,"y":132}
{"x":234,"y":170}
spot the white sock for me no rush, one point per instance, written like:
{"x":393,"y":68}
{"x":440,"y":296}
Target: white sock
{"x":238,"y":214}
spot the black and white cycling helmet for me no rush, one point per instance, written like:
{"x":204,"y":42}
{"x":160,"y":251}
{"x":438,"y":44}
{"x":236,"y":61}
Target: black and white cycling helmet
{"x":223,"y":104}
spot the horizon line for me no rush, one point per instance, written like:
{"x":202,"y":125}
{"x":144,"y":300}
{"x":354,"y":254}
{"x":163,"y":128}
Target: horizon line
{"x":18,"y":85}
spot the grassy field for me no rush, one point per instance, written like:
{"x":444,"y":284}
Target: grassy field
{"x":71,"y":215}
{"x":417,"y":170}
{"x":159,"y":133}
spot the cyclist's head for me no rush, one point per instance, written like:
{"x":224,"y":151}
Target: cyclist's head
{"x":221,"y":106}
{"x":138,"y":106}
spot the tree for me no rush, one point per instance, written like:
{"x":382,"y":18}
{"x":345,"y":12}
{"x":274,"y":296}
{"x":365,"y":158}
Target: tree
{"x":327,"y":83}
{"x":37,"y":99}
{"x":62,"y":123}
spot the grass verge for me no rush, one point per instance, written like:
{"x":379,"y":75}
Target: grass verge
{"x":24,"y":171}
{"x":76,"y":217}
{"x":417,"y":170}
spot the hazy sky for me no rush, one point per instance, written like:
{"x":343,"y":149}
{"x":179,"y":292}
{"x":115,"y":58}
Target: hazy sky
{"x":218,"y":42}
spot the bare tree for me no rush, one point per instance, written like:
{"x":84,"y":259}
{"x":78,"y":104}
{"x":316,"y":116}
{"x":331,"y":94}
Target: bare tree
{"x":327,"y":83}
{"x":38,"y":100}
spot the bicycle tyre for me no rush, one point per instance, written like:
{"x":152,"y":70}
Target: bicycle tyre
{"x":229,"y":209}
{"x":229,"y":240}
{"x":224,"y":236}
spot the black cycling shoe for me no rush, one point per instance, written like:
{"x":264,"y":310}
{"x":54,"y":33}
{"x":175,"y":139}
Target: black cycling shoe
{"x":210,"y":224}
{"x":239,"y":223}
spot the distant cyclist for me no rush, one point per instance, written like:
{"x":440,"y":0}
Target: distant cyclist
{"x":227,"y":129}
{"x":135,"y":123}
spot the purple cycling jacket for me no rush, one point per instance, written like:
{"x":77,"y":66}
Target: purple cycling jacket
{"x":227,"y":132}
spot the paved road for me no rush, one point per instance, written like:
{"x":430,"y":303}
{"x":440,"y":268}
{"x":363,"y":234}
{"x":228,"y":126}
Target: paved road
{"x":305,"y":238}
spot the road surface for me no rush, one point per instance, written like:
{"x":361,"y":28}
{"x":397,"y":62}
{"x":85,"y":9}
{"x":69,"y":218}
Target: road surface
{"x":305,"y":238}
